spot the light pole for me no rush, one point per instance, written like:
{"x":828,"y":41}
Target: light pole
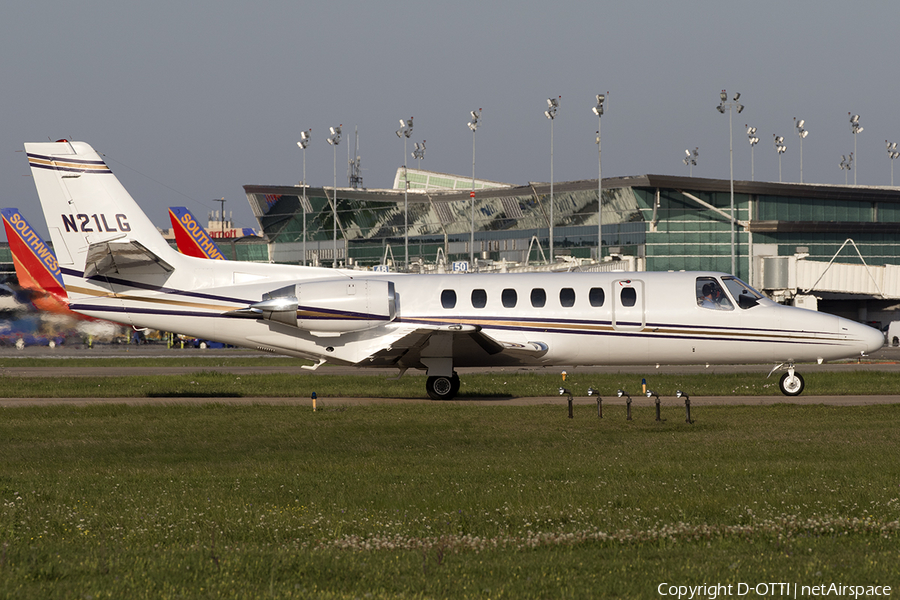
{"x":846,"y":165}
{"x":334,"y":140}
{"x":473,"y":125}
{"x":598,"y":110}
{"x":802,"y":133}
{"x":303,"y":143}
{"x":854,"y":129}
{"x":751,"y":135}
{"x":892,"y":154}
{"x":550,"y":113}
{"x":724,"y":105}
{"x":404,"y":132}
{"x":690,"y":159}
{"x":780,"y":148}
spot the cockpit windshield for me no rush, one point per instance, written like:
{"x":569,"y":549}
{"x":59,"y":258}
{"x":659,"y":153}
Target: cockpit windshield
{"x":711,"y":295}
{"x":746,"y":296}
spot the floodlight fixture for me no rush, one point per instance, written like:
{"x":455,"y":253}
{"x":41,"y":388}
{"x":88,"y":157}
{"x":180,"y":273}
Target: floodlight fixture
{"x":564,"y":392}
{"x":731,"y":107}
{"x":623,"y":393}
{"x":652,"y":394}
{"x":334,"y":140}
{"x":304,"y":139}
{"x":592,"y":392}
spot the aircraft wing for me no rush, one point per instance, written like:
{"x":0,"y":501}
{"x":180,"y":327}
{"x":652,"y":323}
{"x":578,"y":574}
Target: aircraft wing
{"x":468,"y":344}
{"x":123,"y":257}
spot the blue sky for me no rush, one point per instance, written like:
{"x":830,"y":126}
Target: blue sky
{"x":189,"y":101}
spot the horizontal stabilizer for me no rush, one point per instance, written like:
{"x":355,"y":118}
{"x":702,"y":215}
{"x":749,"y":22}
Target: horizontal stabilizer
{"x":123,"y":257}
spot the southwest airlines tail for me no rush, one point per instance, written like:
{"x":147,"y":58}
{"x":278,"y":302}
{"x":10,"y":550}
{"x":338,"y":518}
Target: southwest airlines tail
{"x":36,"y":265}
{"x":191,"y":237}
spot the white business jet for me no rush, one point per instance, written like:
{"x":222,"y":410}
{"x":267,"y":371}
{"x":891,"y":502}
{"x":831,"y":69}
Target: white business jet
{"x":116,"y":266}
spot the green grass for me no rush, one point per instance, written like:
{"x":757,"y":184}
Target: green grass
{"x":477,"y":385}
{"x":437,"y":500}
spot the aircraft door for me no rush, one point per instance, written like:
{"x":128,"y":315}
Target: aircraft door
{"x":628,"y":305}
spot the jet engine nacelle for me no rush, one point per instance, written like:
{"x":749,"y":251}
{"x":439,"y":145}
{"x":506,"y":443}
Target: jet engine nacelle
{"x":330,"y":307}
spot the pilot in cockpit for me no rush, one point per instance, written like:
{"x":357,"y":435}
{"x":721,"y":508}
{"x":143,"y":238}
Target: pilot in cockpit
{"x":711,"y":296}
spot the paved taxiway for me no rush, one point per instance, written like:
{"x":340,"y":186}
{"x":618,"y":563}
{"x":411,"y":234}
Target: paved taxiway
{"x":885,"y":360}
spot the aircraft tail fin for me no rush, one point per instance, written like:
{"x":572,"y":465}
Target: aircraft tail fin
{"x":36,"y":266}
{"x":87,"y":209}
{"x":191,"y":237}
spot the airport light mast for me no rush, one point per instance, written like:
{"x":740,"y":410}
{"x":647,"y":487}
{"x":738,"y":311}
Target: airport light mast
{"x":780,"y":148}
{"x":854,"y":129}
{"x":751,"y":135}
{"x":419,"y":153}
{"x":690,"y":160}
{"x":892,"y":154}
{"x":598,"y":110}
{"x":473,"y":125}
{"x":334,"y":140}
{"x":550,"y":113}
{"x":303,"y":143}
{"x":724,"y":105}
{"x":802,"y":133}
{"x":404,"y":132}
{"x":846,"y":165}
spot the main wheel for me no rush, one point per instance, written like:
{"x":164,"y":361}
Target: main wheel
{"x":791,"y":385}
{"x":442,"y":387}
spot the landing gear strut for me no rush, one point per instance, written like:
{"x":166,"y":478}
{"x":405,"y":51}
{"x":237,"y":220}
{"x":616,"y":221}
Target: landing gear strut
{"x":442,"y":387}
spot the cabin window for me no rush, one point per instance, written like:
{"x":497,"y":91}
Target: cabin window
{"x":509,"y":298}
{"x":596,"y":296}
{"x":448,"y":298}
{"x":628,"y":296}
{"x":567,"y":297}
{"x":538,"y":298}
{"x":479,"y":298}
{"x":711,"y":295}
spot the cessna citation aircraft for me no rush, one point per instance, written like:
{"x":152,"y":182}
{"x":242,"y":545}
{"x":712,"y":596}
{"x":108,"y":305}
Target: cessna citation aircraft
{"x":116,"y":266}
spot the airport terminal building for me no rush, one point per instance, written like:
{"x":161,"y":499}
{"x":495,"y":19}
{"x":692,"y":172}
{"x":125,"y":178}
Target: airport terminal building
{"x":831,"y":247}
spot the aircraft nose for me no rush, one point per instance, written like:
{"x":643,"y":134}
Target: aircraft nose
{"x":870,"y":339}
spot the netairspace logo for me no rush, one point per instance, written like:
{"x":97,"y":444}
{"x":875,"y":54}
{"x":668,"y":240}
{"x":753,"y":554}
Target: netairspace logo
{"x":771,"y":590}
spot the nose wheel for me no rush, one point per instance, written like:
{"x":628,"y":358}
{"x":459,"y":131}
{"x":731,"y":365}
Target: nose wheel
{"x":791,"y":383}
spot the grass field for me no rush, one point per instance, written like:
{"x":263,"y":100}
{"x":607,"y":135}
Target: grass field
{"x":212,"y":384}
{"x":437,"y":500}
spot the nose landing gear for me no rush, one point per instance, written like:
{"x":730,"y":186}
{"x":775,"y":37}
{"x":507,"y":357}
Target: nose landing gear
{"x":791,"y":383}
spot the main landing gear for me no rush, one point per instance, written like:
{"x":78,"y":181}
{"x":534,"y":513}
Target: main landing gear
{"x":442,"y":387}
